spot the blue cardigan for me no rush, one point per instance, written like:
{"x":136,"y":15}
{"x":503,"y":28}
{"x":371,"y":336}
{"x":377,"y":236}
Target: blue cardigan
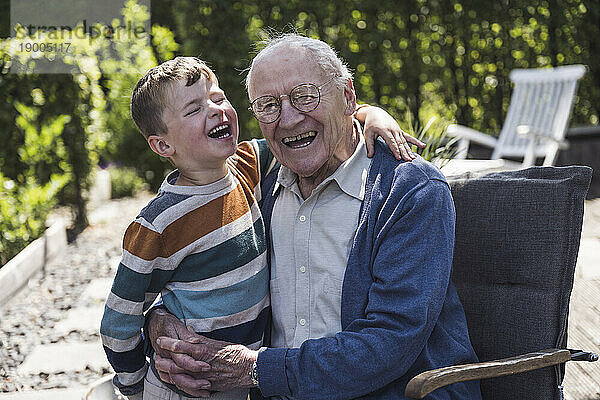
{"x":400,"y":312}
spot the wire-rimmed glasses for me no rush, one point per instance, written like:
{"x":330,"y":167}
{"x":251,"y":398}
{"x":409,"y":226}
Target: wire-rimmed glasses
{"x":304,"y":98}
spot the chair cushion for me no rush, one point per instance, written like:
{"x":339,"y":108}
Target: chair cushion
{"x":517,"y":238}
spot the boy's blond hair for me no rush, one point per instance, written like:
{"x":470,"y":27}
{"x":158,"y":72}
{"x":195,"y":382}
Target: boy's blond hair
{"x":151,"y":94}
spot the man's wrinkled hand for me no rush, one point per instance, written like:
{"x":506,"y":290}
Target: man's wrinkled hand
{"x":175,"y":367}
{"x":230,"y":364}
{"x":162,"y":323}
{"x":182,"y":378}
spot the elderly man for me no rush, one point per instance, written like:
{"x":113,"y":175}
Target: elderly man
{"x":360,"y":253}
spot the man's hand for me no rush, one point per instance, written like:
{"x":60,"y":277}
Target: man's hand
{"x":176,"y":367}
{"x":379,"y":123}
{"x":230,"y":364}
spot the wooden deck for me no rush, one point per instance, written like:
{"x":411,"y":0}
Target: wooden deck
{"x":582,"y":380}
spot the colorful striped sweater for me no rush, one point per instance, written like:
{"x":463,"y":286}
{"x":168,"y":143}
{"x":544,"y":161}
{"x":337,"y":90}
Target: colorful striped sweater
{"x":203,"y":249}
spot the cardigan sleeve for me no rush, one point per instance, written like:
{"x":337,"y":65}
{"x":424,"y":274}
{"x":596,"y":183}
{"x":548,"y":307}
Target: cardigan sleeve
{"x":410,"y":260}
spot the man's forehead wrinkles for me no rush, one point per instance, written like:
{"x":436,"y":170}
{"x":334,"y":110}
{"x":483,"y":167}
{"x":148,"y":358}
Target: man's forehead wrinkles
{"x":280,"y":81}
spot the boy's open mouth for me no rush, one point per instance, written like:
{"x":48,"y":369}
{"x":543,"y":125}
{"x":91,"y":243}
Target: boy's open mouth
{"x":299,"y":141}
{"x":220,"y":132}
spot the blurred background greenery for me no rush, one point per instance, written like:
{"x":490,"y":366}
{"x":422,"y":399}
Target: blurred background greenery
{"x":418,"y":59}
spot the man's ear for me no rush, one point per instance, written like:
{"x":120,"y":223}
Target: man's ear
{"x":160,"y":146}
{"x":350,"y":97}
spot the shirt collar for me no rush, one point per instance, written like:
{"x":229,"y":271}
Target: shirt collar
{"x":351,"y":175}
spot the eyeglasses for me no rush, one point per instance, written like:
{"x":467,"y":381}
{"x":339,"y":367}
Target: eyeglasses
{"x":304,"y":98}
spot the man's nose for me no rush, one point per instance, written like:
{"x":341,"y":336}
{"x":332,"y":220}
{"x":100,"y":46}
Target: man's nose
{"x":289,"y":115}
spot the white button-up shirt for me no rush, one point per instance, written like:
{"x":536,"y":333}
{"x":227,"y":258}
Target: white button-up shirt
{"x":311,"y":241}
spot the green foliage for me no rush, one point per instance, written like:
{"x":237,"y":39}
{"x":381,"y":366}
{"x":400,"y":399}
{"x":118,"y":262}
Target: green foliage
{"x":55,"y":121}
{"x":57,"y":126}
{"x":428,"y":57}
{"x":122,"y":142}
{"x":43,"y":148}
{"x":124,"y":182}
{"x":29,"y":195}
{"x":23,"y":212}
{"x":439,"y":149}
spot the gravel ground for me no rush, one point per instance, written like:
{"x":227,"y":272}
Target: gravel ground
{"x":29,"y":318}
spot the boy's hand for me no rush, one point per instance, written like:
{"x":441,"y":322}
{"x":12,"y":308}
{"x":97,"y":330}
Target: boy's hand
{"x":379,"y":123}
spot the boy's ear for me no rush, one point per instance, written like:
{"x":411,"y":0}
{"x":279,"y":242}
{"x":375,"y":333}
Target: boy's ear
{"x":160,"y":146}
{"x":350,"y":97}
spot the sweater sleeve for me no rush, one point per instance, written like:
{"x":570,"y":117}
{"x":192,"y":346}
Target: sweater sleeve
{"x":140,"y":275}
{"x":410,"y":262}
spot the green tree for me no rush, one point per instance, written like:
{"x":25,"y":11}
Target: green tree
{"x":58,"y":126}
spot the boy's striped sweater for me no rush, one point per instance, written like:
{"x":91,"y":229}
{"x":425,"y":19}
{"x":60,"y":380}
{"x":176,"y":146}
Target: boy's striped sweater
{"x":203,"y":249}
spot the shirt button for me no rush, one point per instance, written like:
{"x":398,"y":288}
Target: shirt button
{"x":303,"y":269}
{"x":302,"y":218}
{"x":302,"y":321}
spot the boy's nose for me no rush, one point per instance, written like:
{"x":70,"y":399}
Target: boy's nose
{"x":216,"y":111}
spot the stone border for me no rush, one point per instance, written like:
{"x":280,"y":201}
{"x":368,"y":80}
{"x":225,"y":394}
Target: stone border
{"x":15,"y":274}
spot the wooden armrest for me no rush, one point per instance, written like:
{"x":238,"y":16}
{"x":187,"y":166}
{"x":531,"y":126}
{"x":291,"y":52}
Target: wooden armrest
{"x":471,"y":135}
{"x":536,"y":134}
{"x":426,"y":382}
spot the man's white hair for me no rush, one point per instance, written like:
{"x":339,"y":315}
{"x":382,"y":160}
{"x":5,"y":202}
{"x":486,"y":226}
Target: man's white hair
{"x":321,"y":53}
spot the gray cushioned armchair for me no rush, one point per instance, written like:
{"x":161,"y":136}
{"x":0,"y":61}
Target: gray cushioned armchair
{"x":517,"y":238}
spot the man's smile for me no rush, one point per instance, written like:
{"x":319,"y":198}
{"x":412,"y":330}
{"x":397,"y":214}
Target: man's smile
{"x":299,"y":141}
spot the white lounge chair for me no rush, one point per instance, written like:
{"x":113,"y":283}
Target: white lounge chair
{"x":537,"y":117}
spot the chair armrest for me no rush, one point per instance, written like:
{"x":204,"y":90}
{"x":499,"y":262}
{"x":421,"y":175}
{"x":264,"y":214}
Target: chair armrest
{"x":426,"y":382}
{"x":536,"y":133}
{"x":471,"y":134}
{"x":536,"y":136}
